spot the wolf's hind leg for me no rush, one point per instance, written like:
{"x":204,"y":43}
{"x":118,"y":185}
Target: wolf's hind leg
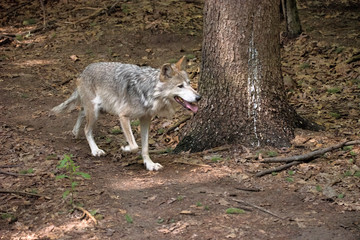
{"x":78,"y":123}
{"x":91,"y":117}
{"x":126,"y":127}
{"x":145,"y":127}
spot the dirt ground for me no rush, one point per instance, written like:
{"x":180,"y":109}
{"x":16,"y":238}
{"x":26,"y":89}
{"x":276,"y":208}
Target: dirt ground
{"x":192,"y":196}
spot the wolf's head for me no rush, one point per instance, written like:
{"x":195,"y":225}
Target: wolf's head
{"x":177,"y":85}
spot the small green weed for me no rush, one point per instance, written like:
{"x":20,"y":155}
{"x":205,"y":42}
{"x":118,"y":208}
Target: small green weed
{"x":207,"y":208}
{"x":234,"y":211}
{"x":180,"y":198}
{"x":160,"y":131}
{"x":216,"y":158}
{"x":352,"y":153}
{"x":318,"y":188}
{"x":116,"y":130}
{"x":272,"y":154}
{"x":348,"y":148}
{"x":339,"y":49}
{"x":334,"y":90}
{"x":289,"y":179}
{"x":190,"y":56}
{"x":128,"y":218}
{"x":347,"y":173}
{"x":19,"y":37}
{"x":29,"y":22}
{"x":27,"y":171}
{"x":135,"y":123}
{"x":291,"y":172}
{"x":160,"y":220}
{"x":304,"y":65}
{"x":357,"y":174}
{"x":199,"y":204}
{"x":274,"y":173}
{"x":335,"y":115}
{"x":51,"y":157}
{"x":71,"y":172}
{"x":341,"y":195}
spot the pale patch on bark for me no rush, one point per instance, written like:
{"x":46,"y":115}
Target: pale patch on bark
{"x":253,"y":86}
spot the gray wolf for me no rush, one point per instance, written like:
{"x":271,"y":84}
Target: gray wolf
{"x":130,"y":92}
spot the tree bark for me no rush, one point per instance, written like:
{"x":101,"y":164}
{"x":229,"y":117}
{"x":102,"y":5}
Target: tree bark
{"x":244,"y":99}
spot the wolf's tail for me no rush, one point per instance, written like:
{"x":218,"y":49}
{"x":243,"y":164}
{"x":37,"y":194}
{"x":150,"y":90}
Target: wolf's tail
{"x":68,"y":104}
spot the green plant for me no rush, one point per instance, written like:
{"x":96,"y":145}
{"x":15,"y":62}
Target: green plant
{"x":348,"y":148}
{"x":116,"y":130}
{"x":339,"y":49}
{"x":291,"y":172}
{"x":160,"y":220}
{"x":318,"y":188}
{"x":335,"y":115}
{"x":272,"y":154}
{"x":352,"y":153}
{"x":180,"y":198}
{"x":289,"y":179}
{"x":135,"y":123}
{"x":71,"y":173}
{"x":27,"y":171}
{"x":357,"y":174}
{"x":234,"y":211}
{"x":128,"y":218}
{"x":199,"y":204}
{"x":341,"y":195}
{"x":304,"y":65}
{"x":160,"y":131}
{"x":334,"y":90}
{"x":216,"y":158}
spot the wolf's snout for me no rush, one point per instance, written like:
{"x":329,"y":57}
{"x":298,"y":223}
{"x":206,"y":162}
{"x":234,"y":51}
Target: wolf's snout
{"x":198,"y":97}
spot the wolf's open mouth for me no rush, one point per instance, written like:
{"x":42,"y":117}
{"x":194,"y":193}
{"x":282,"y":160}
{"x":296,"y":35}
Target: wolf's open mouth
{"x":190,"y":106}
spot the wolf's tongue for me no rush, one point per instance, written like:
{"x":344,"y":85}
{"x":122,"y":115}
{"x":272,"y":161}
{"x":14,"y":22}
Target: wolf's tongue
{"x":194,"y":108}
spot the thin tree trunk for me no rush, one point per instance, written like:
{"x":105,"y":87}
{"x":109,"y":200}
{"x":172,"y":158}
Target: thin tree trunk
{"x":293,"y":24}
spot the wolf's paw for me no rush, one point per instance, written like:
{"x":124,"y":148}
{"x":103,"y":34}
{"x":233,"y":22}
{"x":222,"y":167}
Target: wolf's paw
{"x":129,"y":149}
{"x":153,"y":166}
{"x":97,"y":152}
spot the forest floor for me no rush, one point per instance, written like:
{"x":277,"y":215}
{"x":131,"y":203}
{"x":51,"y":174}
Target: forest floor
{"x":193,"y":196}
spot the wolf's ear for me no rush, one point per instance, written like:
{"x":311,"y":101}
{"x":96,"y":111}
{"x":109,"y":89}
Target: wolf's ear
{"x":181,"y":64}
{"x":166,"y":72}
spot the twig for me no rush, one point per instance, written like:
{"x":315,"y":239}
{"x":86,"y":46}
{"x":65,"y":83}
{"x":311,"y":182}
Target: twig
{"x":97,"y":12}
{"x":24,"y":193}
{"x":353,"y":59}
{"x":311,"y":155}
{"x":248,"y":189}
{"x":85,"y":213}
{"x":192,"y":164}
{"x":9,"y":166}
{"x":258,"y":208}
{"x":173,"y":127}
{"x":277,"y":169}
{"x":17,"y":174}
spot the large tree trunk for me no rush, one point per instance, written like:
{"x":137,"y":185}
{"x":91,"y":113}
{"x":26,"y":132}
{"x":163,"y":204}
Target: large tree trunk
{"x":243,"y":94}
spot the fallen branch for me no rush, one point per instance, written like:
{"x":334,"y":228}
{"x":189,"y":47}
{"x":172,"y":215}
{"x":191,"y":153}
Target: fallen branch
{"x":248,"y":189}
{"x":277,"y":169}
{"x":23,"y":193}
{"x":258,"y":208}
{"x":17,"y":174}
{"x":295,"y":160}
{"x":311,"y":155}
{"x":85,"y":213}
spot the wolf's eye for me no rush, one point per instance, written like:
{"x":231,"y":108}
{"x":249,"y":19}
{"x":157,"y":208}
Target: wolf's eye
{"x":181,"y":86}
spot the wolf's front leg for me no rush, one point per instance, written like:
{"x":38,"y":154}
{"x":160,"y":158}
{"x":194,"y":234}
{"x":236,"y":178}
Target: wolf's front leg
{"x":149,"y":164}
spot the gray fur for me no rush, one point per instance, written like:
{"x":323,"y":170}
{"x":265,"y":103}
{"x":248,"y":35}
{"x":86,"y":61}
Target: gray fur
{"x":130,"y":92}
